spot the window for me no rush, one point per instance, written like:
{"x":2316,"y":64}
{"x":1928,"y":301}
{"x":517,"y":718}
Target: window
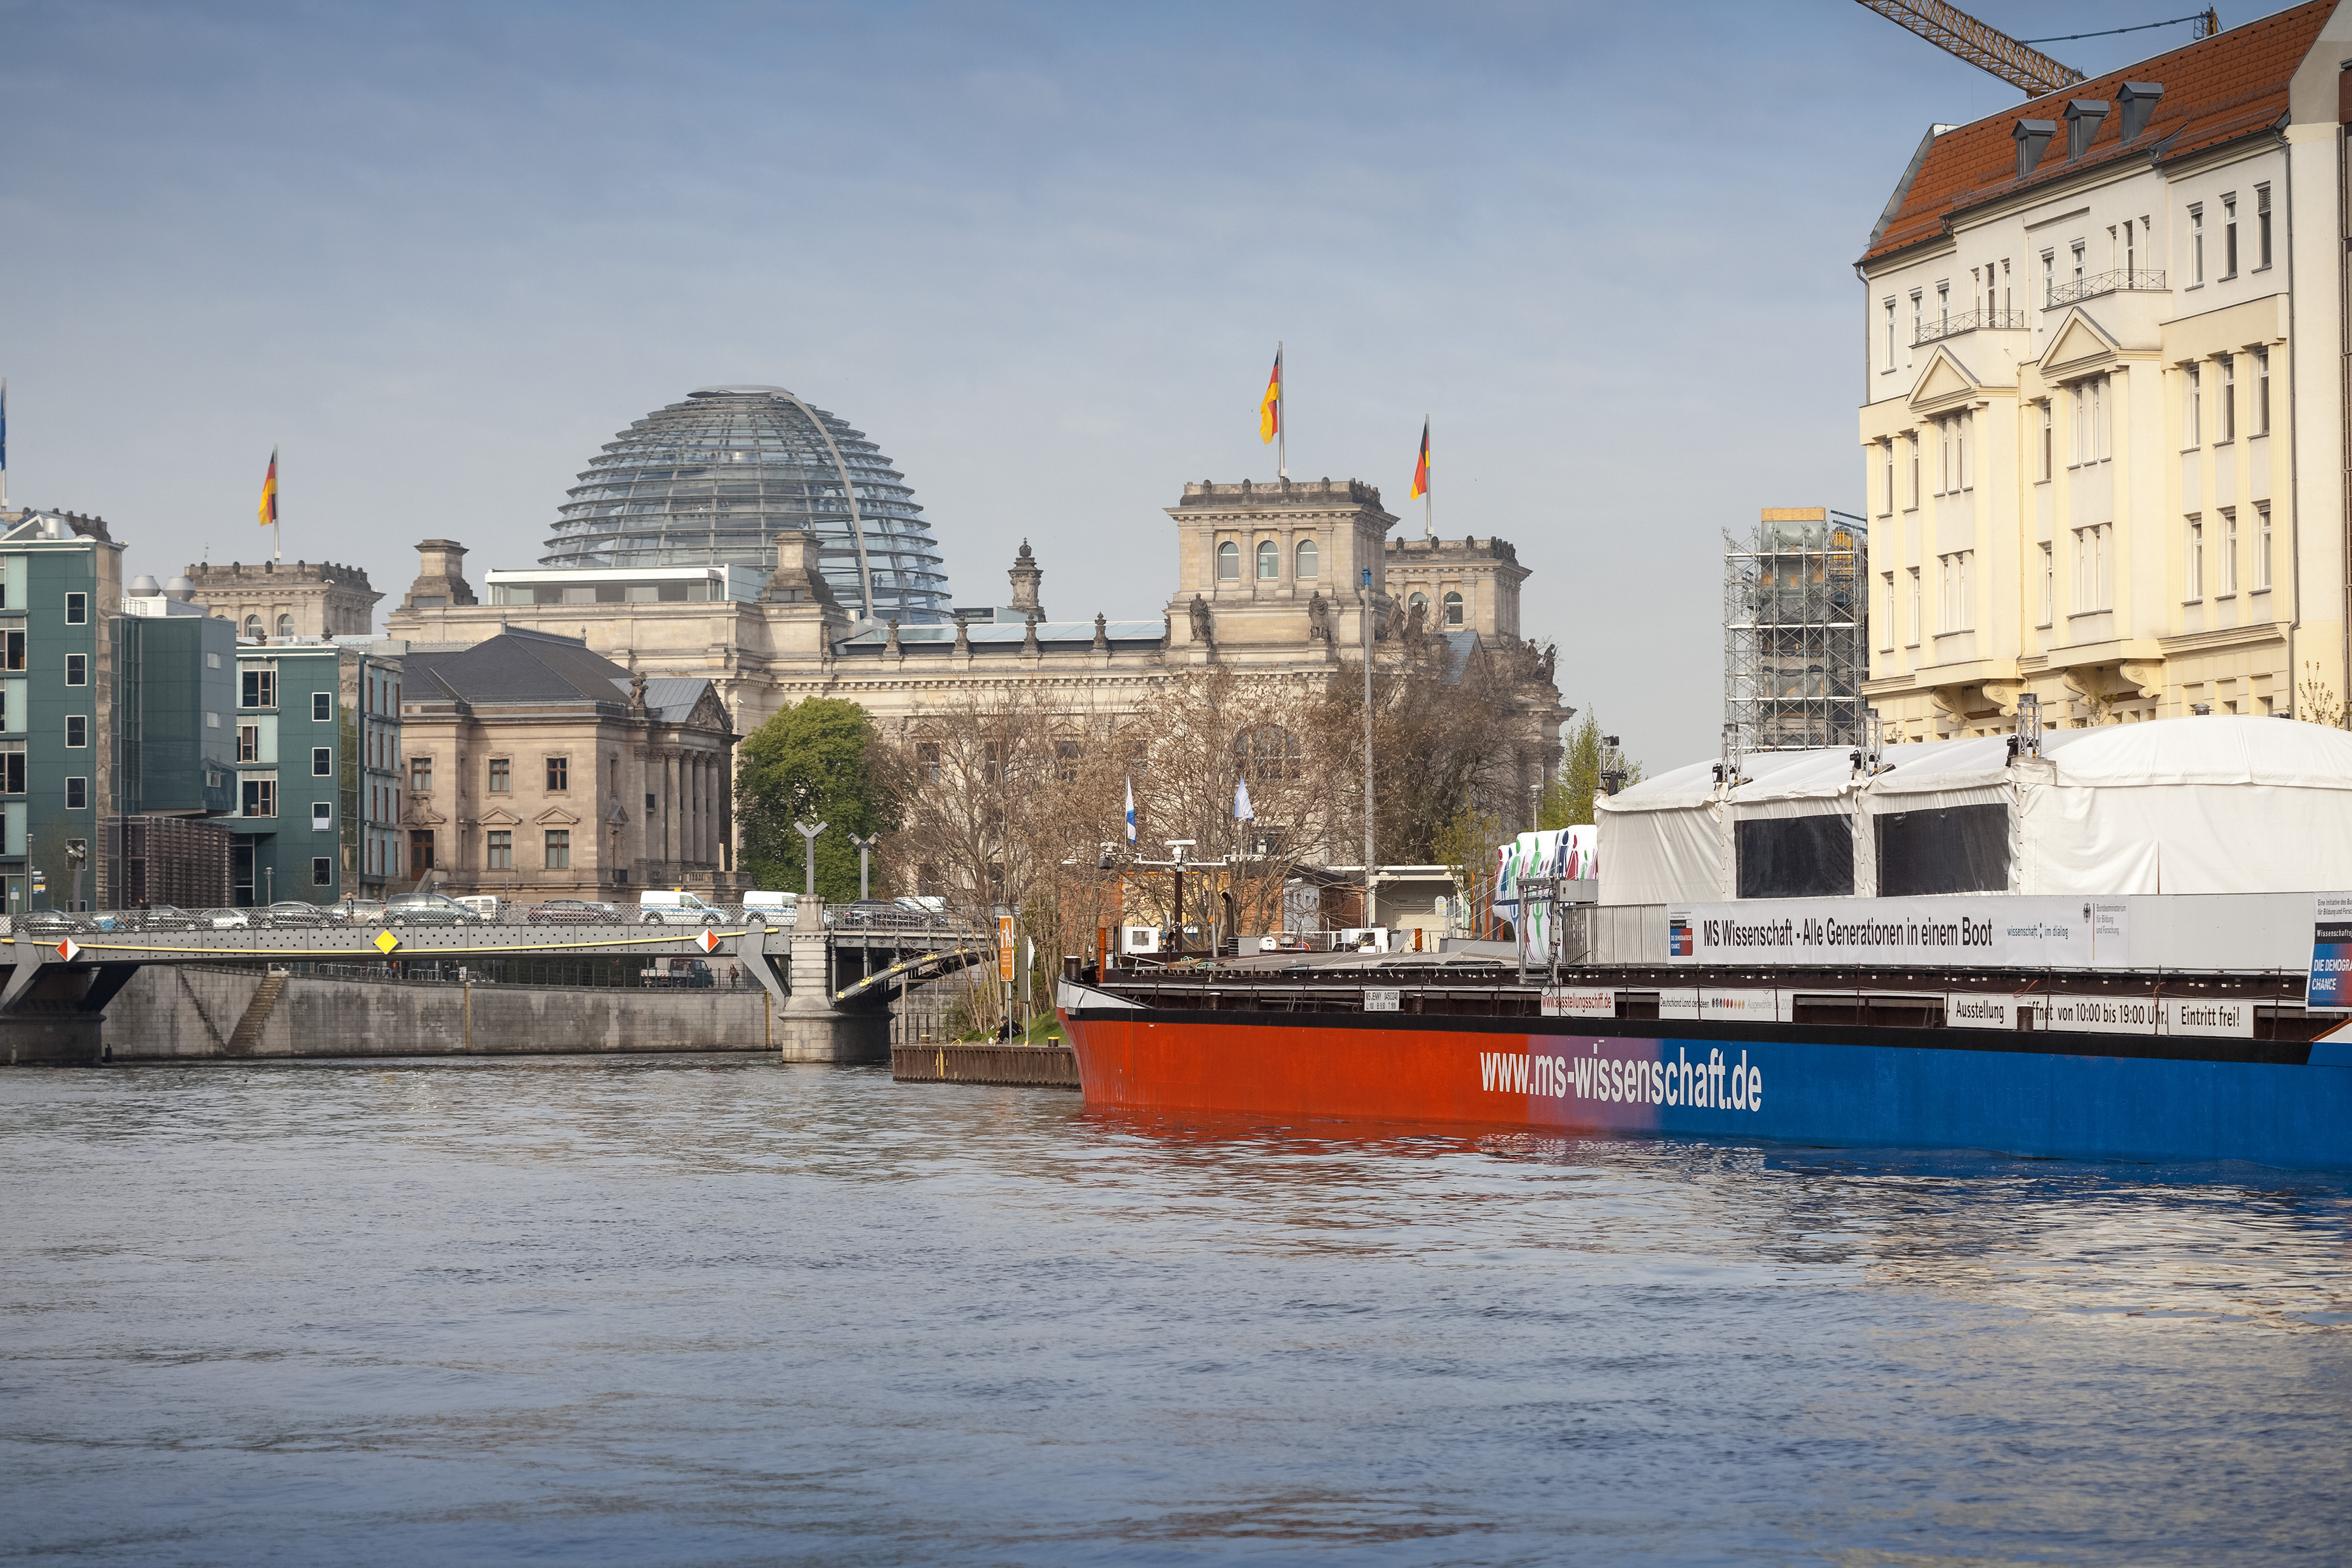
{"x":253,"y":628}
{"x":2193,"y":574}
{"x":12,"y":768}
{"x":249,"y":742}
{"x":1944,"y":480}
{"x":420,"y":851}
{"x":2261,"y":226}
{"x":2230,"y":236}
{"x":260,"y":688}
{"x":927,"y":761}
{"x":323,"y":871}
{"x":2048,"y":277}
{"x":322,"y":706}
{"x":498,"y":850}
{"x":1913,"y":438}
{"x":558,"y":774}
{"x":2262,"y":392}
{"x":1269,"y":560}
{"x":2131,"y":254}
{"x":1943,"y":307}
{"x":501,"y":775}
{"x":1963,"y":425}
{"x":212,"y":719}
{"x":1308,"y":559}
{"x":285,"y":625}
{"x":2091,"y":568}
{"x":1890,"y":335}
{"x":2090,"y":419}
{"x":260,"y":795}
{"x":1956,"y":610}
{"x":2227,"y":406}
{"x":322,"y":817}
{"x":2228,"y":560}
{"x":77,"y":794}
{"x":2005,"y":299}
{"x":1915,"y":606}
{"x":2049,"y":586}
{"x":2075,"y":255}
{"x":1886,"y":621}
{"x":420,"y":776}
{"x":2191,"y":411}
{"x":2048,"y":430}
{"x":558,"y":850}
{"x":1229,"y":562}
{"x":12,"y":650}
{"x":2196,"y":246}
{"x":76,"y":670}
{"x":1452,"y":608}
{"x":1918,"y":319}
{"x":77,"y":730}
{"x":2262,"y":548}
{"x":322,"y":762}
{"x":77,"y":609}
{"x":1886,"y":464}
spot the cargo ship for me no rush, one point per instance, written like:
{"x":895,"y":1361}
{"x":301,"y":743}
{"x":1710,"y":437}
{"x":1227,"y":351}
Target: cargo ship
{"x":1988,"y":953}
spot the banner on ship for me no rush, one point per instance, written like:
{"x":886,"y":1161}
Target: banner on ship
{"x":1995,"y":932}
{"x":2330,"y":985}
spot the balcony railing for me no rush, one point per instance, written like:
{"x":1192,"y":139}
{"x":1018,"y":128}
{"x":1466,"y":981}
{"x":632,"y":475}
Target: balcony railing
{"x":2100,"y":283}
{"x":1970,"y":321}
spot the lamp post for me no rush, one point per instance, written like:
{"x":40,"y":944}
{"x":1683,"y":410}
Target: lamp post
{"x":865,"y":846}
{"x":808,"y":857}
{"x":1364,"y":598}
{"x":76,"y":852}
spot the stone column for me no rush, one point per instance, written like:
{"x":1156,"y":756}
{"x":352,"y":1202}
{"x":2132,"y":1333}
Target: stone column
{"x":669,"y":810}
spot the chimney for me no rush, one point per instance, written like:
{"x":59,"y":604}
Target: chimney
{"x":2139,"y":102}
{"x":2031,"y":136}
{"x":1026,"y":574}
{"x":2082,"y":118}
{"x":440,"y":578}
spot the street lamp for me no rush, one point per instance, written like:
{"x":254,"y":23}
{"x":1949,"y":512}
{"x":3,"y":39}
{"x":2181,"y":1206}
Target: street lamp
{"x":808,"y":858}
{"x":865,"y":845}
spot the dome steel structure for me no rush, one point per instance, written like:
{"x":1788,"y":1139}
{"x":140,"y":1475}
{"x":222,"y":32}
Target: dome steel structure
{"x":711,"y":480}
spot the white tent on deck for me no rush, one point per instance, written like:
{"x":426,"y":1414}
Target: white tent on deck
{"x":2219,"y":805}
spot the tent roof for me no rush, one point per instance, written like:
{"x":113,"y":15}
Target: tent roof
{"x":2217,"y":749}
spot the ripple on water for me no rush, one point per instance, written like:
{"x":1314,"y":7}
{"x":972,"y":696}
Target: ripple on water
{"x":710,"y":1310}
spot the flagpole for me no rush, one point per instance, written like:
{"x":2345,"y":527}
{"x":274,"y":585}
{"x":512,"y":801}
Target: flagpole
{"x":3,"y":443}
{"x":1429,"y":488}
{"x":277,"y":512}
{"x":1281,"y":413}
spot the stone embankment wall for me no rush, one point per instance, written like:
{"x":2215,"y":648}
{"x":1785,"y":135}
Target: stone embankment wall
{"x":175,"y":1014}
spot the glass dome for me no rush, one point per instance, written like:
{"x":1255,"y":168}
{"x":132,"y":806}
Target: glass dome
{"x":712,"y":480}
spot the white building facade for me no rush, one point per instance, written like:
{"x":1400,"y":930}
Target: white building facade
{"x":2105,"y":436}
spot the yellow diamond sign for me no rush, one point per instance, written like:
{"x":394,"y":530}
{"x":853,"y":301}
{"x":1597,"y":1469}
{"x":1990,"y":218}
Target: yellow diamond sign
{"x":386,"y":941}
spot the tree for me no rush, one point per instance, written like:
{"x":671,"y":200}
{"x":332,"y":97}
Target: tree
{"x":821,"y":761}
{"x":1568,"y":801}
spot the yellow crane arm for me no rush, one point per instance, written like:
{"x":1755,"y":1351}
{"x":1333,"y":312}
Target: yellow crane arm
{"x":1956,"y":32}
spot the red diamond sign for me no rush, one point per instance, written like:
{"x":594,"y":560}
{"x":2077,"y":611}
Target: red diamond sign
{"x":68,"y":951}
{"x":708,"y":942}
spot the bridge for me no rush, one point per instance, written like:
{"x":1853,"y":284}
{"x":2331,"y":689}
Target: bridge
{"x":831,"y":986}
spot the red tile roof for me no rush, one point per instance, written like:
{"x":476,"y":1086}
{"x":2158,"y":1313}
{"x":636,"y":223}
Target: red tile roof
{"x":2215,"y":90}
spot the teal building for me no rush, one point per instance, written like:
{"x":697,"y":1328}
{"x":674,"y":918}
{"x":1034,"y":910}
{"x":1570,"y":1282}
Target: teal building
{"x":317,"y":759}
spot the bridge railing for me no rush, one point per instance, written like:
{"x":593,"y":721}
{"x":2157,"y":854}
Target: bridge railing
{"x":876,"y":917}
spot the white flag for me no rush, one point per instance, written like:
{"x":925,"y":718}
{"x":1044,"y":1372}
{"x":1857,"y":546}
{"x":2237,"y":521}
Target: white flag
{"x":1130,"y":813}
{"x":1241,"y":812}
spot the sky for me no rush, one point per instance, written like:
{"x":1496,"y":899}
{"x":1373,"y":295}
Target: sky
{"x":1041,"y":253}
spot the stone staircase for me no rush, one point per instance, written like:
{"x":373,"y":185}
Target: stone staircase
{"x":247,"y":1033}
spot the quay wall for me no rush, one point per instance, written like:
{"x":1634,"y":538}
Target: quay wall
{"x":174,"y":1014}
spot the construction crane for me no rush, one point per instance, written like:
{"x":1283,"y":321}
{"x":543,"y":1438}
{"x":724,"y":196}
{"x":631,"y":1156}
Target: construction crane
{"x":1953,"y":30}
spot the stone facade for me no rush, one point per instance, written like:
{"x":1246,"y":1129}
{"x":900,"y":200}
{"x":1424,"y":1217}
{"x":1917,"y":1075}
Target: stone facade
{"x":287,"y":598}
{"x":1297,"y":616}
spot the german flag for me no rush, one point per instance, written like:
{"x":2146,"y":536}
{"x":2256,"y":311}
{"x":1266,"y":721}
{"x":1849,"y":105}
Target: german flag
{"x":269,"y":492}
{"x":1420,"y":468}
{"x":1269,"y":407}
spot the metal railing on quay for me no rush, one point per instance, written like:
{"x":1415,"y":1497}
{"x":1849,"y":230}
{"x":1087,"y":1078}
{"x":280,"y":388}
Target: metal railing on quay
{"x":874,"y":917}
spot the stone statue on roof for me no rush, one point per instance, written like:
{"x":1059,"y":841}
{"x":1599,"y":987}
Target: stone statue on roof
{"x":1318,"y":618}
{"x":1204,"y":625}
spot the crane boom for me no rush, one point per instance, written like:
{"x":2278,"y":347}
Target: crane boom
{"x":1956,"y":32}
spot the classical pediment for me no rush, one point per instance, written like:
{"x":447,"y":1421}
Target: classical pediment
{"x":555,"y":816}
{"x":499,"y":817}
{"x":2078,"y":344}
{"x":424,"y":816}
{"x":1945,"y":384}
{"x":709,"y":713}
{"x":618,"y":817}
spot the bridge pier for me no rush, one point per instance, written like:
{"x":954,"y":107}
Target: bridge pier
{"x":810,"y":1026}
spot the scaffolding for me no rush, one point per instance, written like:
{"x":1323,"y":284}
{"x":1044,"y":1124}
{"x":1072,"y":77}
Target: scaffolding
{"x":1795,"y":631}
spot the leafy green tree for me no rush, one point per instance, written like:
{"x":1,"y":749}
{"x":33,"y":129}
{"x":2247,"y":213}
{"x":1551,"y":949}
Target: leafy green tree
{"x":1568,"y":800}
{"x":816,"y":760}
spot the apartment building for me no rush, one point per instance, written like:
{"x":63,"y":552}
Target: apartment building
{"x":2105,"y":427}
{"x":318,"y":770}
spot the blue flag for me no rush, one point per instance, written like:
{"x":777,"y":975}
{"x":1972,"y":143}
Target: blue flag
{"x":1130,"y":813}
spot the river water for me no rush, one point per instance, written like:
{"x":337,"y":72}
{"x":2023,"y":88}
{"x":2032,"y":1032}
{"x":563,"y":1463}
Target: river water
{"x":712,"y":1311}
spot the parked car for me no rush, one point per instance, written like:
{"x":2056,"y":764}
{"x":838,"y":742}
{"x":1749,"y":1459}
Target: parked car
{"x":690,"y":972}
{"x":293,"y":914}
{"x":228,"y":919}
{"x":926,"y":912}
{"x":53,"y":924}
{"x":571,"y":912}
{"x":159,"y":917}
{"x":677,"y":907}
{"x":361,"y":911}
{"x":489,"y":906}
{"x":428,"y":910}
{"x":881,"y":913}
{"x":1285,"y":941}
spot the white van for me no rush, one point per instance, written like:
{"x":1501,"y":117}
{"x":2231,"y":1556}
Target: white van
{"x":483,"y":904}
{"x":656,"y":908}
